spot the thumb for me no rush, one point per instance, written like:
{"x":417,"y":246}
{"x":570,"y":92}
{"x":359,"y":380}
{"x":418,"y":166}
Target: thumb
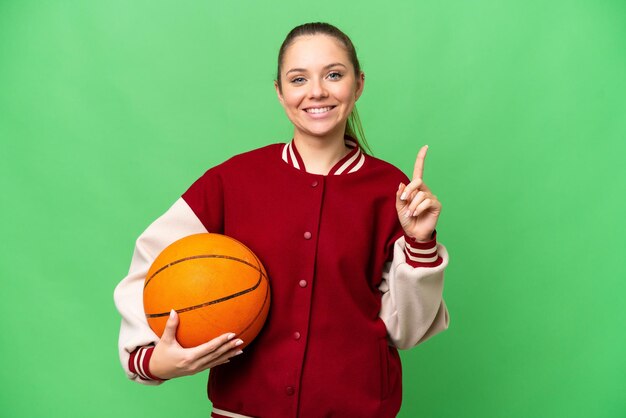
{"x":169,"y":334}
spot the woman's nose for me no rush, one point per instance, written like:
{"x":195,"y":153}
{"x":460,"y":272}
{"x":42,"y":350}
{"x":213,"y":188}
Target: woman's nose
{"x":317,"y":90}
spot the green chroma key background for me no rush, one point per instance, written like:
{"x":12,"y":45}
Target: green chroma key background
{"x":109,"y":110}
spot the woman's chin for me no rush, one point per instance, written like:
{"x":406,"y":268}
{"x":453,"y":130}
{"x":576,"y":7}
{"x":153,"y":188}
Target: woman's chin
{"x":323,"y":132}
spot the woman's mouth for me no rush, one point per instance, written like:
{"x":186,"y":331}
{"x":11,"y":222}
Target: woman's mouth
{"x":318,"y":110}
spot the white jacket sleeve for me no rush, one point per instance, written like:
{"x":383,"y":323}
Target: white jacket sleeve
{"x":178,"y":222}
{"x":413,"y":308}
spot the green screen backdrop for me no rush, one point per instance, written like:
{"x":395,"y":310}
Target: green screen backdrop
{"x":109,"y":110}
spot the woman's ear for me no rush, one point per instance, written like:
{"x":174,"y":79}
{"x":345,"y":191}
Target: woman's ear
{"x":360,"y":83}
{"x":278,"y":92}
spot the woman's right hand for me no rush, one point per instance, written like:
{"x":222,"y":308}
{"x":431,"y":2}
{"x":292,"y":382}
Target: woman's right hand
{"x":170,"y":359}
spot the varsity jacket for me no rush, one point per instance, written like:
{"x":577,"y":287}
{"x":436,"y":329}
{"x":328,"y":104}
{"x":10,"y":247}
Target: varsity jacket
{"x":348,"y":288}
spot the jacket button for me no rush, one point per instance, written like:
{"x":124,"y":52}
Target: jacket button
{"x":302,"y":283}
{"x":315,"y":183}
{"x":296,"y":335}
{"x":307,"y":235}
{"x":289,"y":390}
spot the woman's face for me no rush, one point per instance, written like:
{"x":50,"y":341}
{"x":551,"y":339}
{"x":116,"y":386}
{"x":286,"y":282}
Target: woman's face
{"x":319,"y":87}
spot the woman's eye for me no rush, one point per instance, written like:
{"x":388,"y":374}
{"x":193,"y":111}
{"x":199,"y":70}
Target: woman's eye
{"x":297,"y":80}
{"x":334,"y":76}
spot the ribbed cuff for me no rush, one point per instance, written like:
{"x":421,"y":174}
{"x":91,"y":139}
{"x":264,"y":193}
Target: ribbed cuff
{"x":422,"y":254}
{"x":139,"y":361}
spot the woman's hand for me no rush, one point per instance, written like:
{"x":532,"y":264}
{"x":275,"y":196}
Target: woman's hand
{"x":169,"y":359}
{"x":418,"y":209}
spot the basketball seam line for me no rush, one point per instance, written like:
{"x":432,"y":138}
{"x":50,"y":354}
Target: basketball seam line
{"x":212,"y":302}
{"x":197,"y":257}
{"x":267,"y":291}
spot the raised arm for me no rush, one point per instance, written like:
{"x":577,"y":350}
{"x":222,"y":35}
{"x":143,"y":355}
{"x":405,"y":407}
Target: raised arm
{"x":412,"y":303}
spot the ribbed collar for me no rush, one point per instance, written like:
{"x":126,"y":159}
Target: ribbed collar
{"x":348,"y":164}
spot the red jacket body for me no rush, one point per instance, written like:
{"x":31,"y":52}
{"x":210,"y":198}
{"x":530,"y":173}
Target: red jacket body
{"x":324,"y":241}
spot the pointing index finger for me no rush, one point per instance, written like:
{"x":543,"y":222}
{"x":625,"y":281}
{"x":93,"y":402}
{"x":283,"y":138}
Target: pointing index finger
{"x":418,"y":170}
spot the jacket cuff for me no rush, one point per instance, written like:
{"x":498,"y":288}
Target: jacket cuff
{"x":139,"y":362}
{"x":422,"y":254}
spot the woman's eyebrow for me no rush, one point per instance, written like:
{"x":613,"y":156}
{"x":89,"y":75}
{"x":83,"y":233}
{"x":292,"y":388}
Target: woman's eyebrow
{"x":303,"y":70}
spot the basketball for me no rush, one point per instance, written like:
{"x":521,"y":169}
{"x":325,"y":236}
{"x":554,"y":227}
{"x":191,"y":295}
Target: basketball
{"x":214,"y":283}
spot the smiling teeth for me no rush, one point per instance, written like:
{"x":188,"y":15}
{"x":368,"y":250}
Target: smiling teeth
{"x":319,"y":109}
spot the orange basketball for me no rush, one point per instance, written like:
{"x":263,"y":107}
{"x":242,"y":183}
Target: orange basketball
{"x":215,"y":284}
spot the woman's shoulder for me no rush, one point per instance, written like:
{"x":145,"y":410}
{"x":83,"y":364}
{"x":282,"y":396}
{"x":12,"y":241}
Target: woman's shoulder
{"x":248,"y":159}
{"x":380,"y":167}
{"x":236,"y":167}
{"x":258,"y":154}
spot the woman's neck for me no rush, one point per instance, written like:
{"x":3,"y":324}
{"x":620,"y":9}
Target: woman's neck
{"x":320,"y":154}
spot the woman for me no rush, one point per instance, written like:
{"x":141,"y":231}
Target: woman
{"x":355,"y":271}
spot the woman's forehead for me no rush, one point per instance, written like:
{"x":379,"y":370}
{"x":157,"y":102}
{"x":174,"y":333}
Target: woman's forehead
{"x":310,"y":51}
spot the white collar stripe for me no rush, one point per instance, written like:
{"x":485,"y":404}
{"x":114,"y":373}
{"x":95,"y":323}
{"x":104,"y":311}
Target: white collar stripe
{"x":348,"y":163}
{"x":285,"y":153}
{"x":353,"y":163}
{"x":294,"y":160}
{"x":358,"y":165}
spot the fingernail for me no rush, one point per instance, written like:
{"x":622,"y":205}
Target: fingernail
{"x":238,"y":352}
{"x":172,"y":313}
{"x":230,"y":336}
{"x":238,"y":342}
{"x":403,"y":196}
{"x":407,"y":213}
